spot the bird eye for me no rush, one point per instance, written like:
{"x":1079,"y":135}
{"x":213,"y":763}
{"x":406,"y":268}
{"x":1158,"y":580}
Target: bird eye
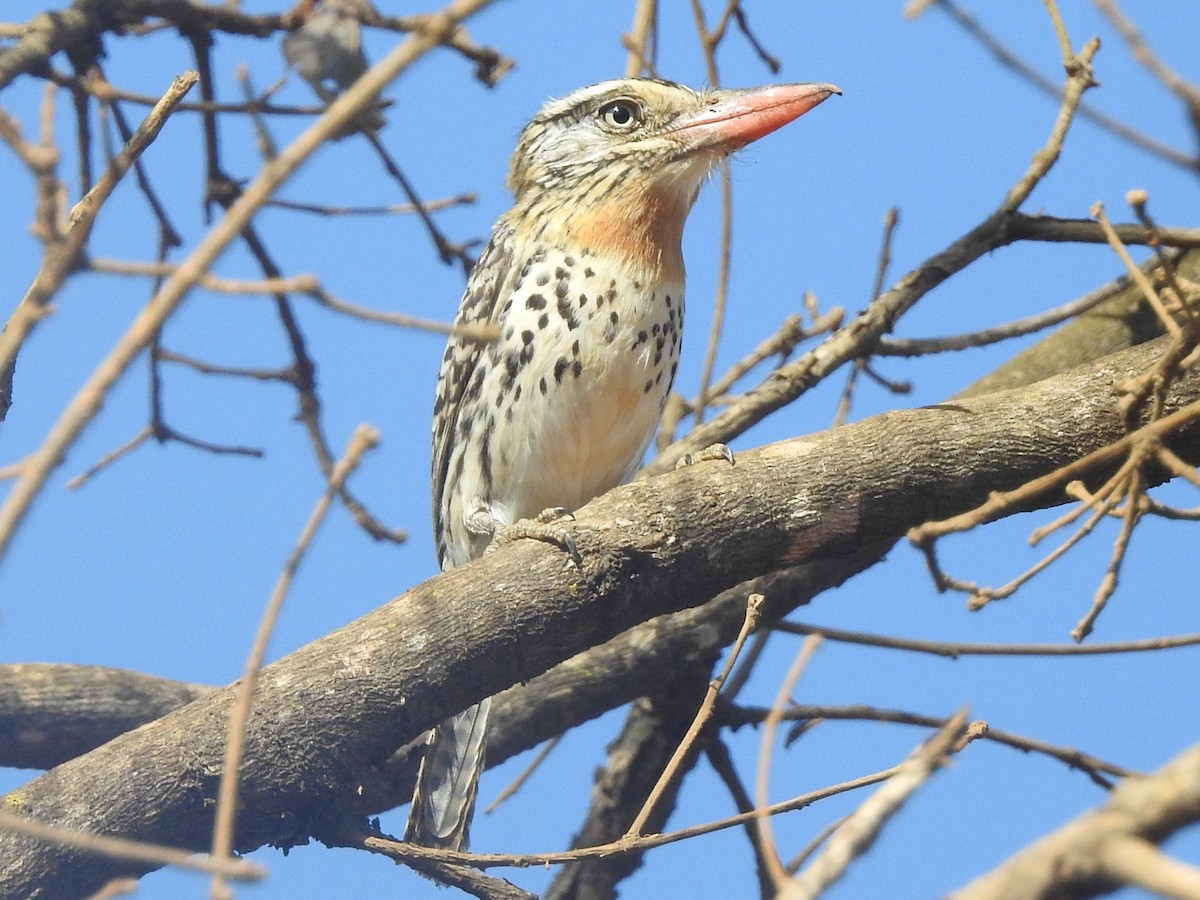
{"x":620,"y":115}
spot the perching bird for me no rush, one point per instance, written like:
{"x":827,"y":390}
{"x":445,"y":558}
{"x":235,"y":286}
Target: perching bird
{"x":584,"y":279}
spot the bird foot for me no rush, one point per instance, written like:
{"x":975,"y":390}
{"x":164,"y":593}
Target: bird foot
{"x":542,"y":527}
{"x":711,"y":452}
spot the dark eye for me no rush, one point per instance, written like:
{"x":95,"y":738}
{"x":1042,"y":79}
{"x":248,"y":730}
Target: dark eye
{"x":620,"y":115}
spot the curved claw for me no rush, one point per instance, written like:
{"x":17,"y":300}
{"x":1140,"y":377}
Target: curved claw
{"x":540,"y":528}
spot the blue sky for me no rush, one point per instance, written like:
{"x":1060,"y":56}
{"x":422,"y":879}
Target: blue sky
{"x":162,"y":563}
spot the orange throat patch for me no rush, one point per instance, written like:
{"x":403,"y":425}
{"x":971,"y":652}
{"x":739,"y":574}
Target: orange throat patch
{"x":642,"y":229}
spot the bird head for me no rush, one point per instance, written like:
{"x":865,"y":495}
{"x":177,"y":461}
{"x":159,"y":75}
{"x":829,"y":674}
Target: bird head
{"x":616,"y":167}
{"x":652,"y":131}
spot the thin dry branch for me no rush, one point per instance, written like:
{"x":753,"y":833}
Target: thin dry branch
{"x":407,"y":852}
{"x":1170,"y":79}
{"x":709,"y":41}
{"x":1075,"y":860}
{"x":753,"y":608}
{"x":87,"y":402}
{"x":641,"y":41}
{"x":364,"y":438}
{"x":1087,"y":231}
{"x":136,"y":851}
{"x":722,"y":764}
{"x":1010,"y":60}
{"x":61,"y":258}
{"x":1097,"y":770}
{"x":1133,"y":490}
{"x":1139,"y":395}
{"x":306,"y":284}
{"x":766,"y":747}
{"x":514,"y":787}
{"x":857,"y":832}
{"x":1131,"y":268}
{"x":956,"y":649}
{"x":859,"y":336}
{"x":891,"y":346}
{"x":391,"y":209}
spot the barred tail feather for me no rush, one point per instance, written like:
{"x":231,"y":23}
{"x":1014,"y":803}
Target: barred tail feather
{"x":448,"y":781}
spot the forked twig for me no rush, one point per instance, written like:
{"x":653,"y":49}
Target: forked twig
{"x":750,"y":623}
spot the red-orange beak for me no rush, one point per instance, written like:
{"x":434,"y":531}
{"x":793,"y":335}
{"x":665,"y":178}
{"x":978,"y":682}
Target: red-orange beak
{"x":733,"y":119}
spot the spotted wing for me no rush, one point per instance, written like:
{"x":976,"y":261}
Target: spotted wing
{"x":480,"y":303}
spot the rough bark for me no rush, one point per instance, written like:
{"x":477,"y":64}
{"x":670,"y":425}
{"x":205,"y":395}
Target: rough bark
{"x":50,"y":713}
{"x":329,"y":712}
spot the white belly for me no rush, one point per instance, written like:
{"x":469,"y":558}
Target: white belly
{"x":606,"y":383}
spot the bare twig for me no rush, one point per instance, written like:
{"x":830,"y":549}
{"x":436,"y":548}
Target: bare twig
{"x":767,"y":745}
{"x":954,"y":649}
{"x":771,"y":61}
{"x":364,"y":438}
{"x":62,"y":258}
{"x":1171,"y":80}
{"x":890,"y":220}
{"x":1085,"y":231}
{"x":87,"y":402}
{"x":308,"y":285}
{"x":405,"y":851}
{"x":1095,"y":768}
{"x":721,"y":761}
{"x":891,"y":346}
{"x":709,"y":41}
{"x":791,"y":332}
{"x":111,"y":457}
{"x":448,"y":251}
{"x":1108,"y":584}
{"x":524,"y":775}
{"x":391,"y":209}
{"x":1010,"y":60}
{"x":856,"y":834}
{"x":122,"y":848}
{"x":753,"y":608}
{"x":641,"y":42}
{"x":1131,"y":268}
{"x":720,"y":293}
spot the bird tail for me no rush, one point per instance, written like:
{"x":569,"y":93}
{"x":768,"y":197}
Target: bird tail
{"x":448,"y":780}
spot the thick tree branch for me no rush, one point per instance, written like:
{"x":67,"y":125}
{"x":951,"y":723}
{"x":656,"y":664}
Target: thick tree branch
{"x":331,"y":711}
{"x":53,"y":713}
{"x":50,"y":713}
